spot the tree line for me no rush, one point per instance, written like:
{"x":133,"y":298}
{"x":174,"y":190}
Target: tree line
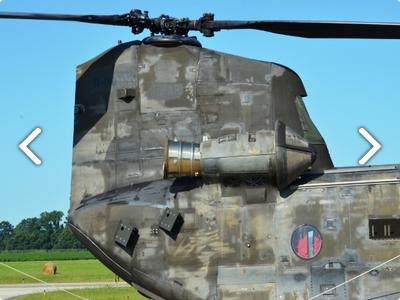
{"x":46,"y":232}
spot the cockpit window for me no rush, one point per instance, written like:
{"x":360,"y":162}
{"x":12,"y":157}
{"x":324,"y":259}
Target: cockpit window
{"x":310,"y":131}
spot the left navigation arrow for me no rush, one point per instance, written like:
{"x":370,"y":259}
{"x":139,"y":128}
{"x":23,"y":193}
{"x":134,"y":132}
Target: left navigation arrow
{"x":24,"y":146}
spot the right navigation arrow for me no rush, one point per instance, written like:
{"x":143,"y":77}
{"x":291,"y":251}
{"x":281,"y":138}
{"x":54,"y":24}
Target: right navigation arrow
{"x":375,"y":146}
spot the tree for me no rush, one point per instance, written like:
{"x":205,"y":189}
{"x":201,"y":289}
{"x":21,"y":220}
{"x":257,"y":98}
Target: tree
{"x":6,"y":231}
{"x":66,"y":240}
{"x":51,"y":220}
{"x":27,"y":235}
{"x":50,"y":227}
{"x":46,"y":232}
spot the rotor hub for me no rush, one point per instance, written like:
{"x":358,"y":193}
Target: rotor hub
{"x":171,"y":41}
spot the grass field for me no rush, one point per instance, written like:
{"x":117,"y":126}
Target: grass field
{"x":40,"y":255}
{"x":111,"y":293}
{"x":72,"y":266}
{"x":67,"y":271}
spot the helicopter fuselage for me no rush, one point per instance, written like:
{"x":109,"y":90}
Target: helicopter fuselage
{"x":242,"y":234}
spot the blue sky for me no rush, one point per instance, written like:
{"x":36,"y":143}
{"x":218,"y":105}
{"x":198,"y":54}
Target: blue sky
{"x":350,"y":83}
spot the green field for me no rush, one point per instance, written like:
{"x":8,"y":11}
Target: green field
{"x":67,"y":271}
{"x":72,"y":266}
{"x":111,"y":293}
{"x":40,"y":255}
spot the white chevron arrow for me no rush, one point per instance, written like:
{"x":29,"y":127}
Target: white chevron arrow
{"x":375,"y":146}
{"x":24,"y":146}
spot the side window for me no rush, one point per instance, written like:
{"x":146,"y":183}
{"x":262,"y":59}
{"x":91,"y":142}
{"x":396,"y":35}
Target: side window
{"x":384,"y":228}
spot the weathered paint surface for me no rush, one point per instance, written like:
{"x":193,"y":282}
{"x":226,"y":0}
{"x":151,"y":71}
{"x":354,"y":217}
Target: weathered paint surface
{"x":235,"y":242}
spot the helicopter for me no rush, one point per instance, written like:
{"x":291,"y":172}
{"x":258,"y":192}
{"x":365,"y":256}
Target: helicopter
{"x":200,"y":175}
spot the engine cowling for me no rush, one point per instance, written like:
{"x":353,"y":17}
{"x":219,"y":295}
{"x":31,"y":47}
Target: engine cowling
{"x":280,"y":155}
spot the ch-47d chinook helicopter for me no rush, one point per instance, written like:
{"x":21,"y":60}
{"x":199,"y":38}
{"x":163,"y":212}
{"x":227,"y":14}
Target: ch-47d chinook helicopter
{"x":200,"y":175}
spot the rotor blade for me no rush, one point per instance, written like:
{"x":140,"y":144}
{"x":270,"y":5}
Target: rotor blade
{"x":315,"y":29}
{"x":121,"y":20}
{"x":166,"y":25}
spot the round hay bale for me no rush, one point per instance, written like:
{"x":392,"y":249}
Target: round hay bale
{"x":49,"y":268}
